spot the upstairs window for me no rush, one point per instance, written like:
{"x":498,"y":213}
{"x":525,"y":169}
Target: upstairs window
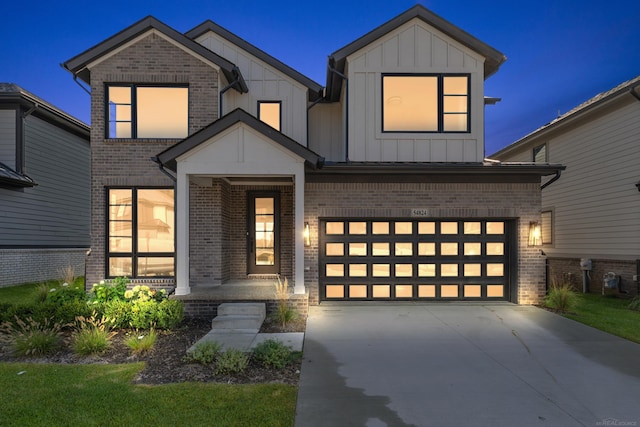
{"x":425,"y":103}
{"x":540,"y":154}
{"x":270,"y":113}
{"x":547,"y":227}
{"x":137,"y":111}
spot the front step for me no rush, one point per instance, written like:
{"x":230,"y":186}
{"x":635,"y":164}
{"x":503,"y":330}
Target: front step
{"x":243,"y":308}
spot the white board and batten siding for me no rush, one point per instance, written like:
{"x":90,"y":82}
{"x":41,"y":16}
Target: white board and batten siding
{"x":8,"y":137}
{"x":414,"y":47}
{"x":265,"y":83}
{"x":596,"y":205}
{"x":56,"y":211}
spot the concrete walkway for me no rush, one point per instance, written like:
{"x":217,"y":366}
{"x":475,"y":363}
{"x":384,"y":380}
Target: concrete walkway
{"x":463,"y":365}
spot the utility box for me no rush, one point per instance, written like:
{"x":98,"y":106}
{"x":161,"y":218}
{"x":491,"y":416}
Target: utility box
{"x":610,"y":281}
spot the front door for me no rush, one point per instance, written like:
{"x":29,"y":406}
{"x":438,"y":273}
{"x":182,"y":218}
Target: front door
{"x":263,"y":235}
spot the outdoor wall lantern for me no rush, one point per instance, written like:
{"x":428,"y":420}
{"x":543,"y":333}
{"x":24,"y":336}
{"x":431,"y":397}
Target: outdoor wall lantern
{"x":535,"y":234}
{"x":307,"y":235}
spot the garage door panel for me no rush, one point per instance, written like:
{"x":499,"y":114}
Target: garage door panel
{"x":387,"y":259}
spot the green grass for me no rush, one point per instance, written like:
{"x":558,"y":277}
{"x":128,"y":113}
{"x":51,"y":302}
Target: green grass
{"x":102,"y":395}
{"x":27,"y":293}
{"x":608,"y":314}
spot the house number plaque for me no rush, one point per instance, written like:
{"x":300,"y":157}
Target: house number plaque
{"x":418,"y":212}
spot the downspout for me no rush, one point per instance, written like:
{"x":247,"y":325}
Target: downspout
{"x":346,"y":106}
{"x":320,"y":98}
{"x":162,"y":169}
{"x":226,"y":88}
{"x":551,"y":181}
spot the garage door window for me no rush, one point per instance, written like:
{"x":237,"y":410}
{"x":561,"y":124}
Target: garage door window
{"x":413,"y":259}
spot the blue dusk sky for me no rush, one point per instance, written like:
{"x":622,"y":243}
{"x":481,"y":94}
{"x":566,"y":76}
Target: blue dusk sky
{"x":560,"y":53}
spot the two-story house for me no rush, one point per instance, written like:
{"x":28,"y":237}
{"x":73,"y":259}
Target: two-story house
{"x":590,"y":221}
{"x":373,"y":187}
{"x":44,"y":189}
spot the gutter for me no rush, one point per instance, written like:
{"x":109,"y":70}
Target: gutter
{"x":332,"y":69}
{"x":632,"y":91}
{"x":162,"y":169}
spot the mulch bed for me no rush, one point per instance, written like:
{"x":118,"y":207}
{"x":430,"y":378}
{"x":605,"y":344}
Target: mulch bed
{"x":166,"y":362}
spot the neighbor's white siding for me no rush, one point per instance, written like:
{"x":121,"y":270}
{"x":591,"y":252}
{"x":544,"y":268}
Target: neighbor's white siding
{"x":265,"y":83}
{"x":596,"y":203}
{"x":8,"y":138}
{"x":414,"y":47}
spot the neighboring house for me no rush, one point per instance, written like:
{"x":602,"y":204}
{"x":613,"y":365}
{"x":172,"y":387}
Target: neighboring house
{"x":44,"y":189}
{"x":371,"y":188}
{"x":593,"y":210}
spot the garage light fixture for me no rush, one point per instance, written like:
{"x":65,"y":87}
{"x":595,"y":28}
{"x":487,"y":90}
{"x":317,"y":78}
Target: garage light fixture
{"x":535,"y":234}
{"x":307,"y":235}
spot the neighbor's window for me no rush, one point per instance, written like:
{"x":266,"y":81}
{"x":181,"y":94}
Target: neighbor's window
{"x":540,"y":154}
{"x":270,"y":112}
{"x":425,"y":103}
{"x":140,"y":232}
{"x":547,"y":227}
{"x":136,"y":111}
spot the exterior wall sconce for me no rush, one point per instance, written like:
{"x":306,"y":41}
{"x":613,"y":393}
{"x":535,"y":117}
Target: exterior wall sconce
{"x":535,"y":234}
{"x":307,"y":235}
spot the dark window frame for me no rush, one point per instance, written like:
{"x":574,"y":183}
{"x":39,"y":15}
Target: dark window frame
{"x":134,"y":111}
{"x":252,"y":268}
{"x":441,"y":96}
{"x":551,"y":214}
{"x":536,"y":150}
{"x":265,"y":101}
{"x":135,"y":253}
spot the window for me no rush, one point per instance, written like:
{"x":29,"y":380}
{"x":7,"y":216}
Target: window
{"x":547,"y":227}
{"x":269,"y":112}
{"x":136,"y":111}
{"x":540,"y":154}
{"x":140,"y":230}
{"x":425,"y":103}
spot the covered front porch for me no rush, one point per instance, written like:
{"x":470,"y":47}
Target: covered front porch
{"x":239,"y":208}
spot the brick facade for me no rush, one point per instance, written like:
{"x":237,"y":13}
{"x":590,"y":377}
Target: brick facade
{"x":520,"y":201}
{"x":567,"y":270}
{"x":127,"y":162}
{"x":18,"y":266}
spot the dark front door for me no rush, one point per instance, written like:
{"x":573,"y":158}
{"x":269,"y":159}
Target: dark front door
{"x":263,"y":235}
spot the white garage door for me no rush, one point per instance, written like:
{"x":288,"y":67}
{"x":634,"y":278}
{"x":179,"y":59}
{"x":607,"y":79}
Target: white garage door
{"x":400,"y":259}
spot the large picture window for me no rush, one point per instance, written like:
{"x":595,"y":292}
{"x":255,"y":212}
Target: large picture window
{"x":425,"y":103}
{"x":140,"y":232}
{"x":136,"y":111}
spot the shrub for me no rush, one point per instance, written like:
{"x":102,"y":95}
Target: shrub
{"x":170,"y":314}
{"x":284,"y":313}
{"x":118,"y":311}
{"x":30,"y":337}
{"x":65,"y":292}
{"x":141,"y":343}
{"x":93,"y":335}
{"x":107,"y":291}
{"x":562,"y":298}
{"x":145,"y":293}
{"x":232,"y":361}
{"x":635,"y":304}
{"x":272,"y":354}
{"x":41,"y":292}
{"x":64,"y":313}
{"x":204,"y":352}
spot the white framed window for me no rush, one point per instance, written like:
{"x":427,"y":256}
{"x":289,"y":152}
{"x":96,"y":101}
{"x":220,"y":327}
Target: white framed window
{"x":270,"y":112}
{"x":425,"y":103}
{"x":143,"y":111}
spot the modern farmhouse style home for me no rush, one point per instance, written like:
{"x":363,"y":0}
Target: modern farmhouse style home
{"x":214,"y":165}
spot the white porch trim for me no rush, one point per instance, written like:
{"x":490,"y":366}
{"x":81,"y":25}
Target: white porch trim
{"x":299,"y":287}
{"x":182,"y":234}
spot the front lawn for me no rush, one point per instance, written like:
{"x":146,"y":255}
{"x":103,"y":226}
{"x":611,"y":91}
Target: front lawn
{"x":103,"y":395}
{"x":608,"y":314}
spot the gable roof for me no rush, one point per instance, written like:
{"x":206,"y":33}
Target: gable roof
{"x":592,"y":104}
{"x":493,"y":58}
{"x":315,"y":89}
{"x":11,"y":93}
{"x":77,"y":65}
{"x":168,"y":156}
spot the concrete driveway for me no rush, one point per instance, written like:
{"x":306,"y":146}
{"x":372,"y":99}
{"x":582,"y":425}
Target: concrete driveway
{"x":455,"y":364}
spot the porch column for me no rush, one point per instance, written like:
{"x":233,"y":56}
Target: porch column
{"x":182,"y":234}
{"x":299,"y":226}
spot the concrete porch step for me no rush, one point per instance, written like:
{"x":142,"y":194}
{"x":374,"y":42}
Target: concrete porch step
{"x":237,"y":321}
{"x":243,"y":308}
